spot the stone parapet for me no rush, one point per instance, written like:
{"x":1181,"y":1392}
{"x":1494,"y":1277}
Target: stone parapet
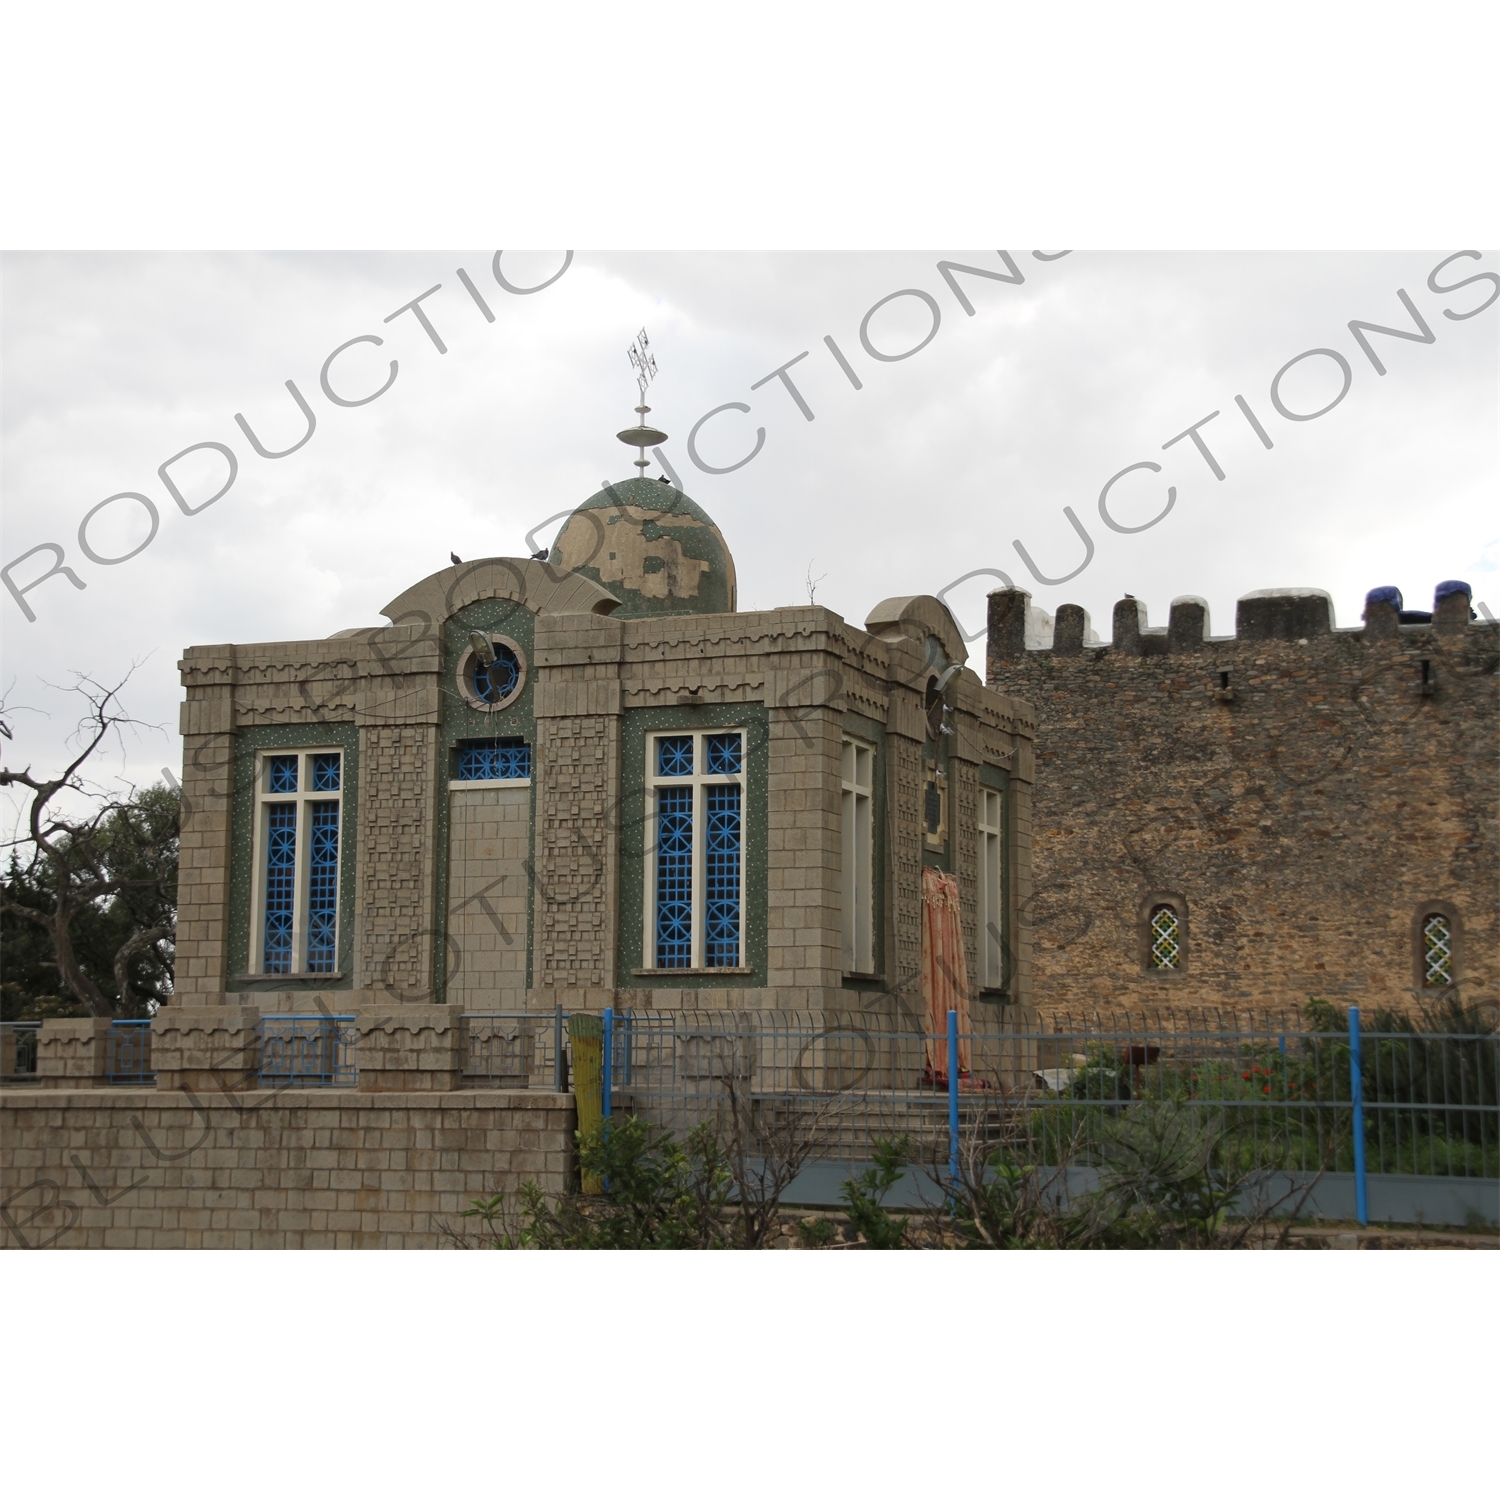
{"x":73,"y":1054}
{"x":209,"y":1049}
{"x":416,"y":1049}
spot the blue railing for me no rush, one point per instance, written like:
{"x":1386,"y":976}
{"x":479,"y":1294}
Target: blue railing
{"x":18,"y":1041}
{"x":130,"y":1052}
{"x":308,"y":1051}
{"x":1403,"y":1122}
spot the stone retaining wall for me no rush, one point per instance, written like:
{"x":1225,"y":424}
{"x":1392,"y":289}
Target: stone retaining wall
{"x":292,"y":1169}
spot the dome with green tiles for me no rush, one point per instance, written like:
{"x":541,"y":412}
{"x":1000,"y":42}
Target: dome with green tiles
{"x":650,"y":546}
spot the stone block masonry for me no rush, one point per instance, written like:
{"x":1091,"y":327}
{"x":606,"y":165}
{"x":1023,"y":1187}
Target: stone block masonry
{"x":295,"y":1169}
{"x":1305,"y":792}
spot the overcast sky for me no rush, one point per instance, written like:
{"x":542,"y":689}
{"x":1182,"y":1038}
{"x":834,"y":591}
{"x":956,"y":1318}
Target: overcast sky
{"x":112,"y":363}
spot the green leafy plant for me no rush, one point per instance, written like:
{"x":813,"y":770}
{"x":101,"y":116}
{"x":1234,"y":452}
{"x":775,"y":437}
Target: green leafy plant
{"x":496,"y":1226}
{"x":865,"y":1192}
{"x":1102,"y":1076}
{"x":1002,"y":1204}
{"x":659,"y":1195}
{"x":814,"y":1234}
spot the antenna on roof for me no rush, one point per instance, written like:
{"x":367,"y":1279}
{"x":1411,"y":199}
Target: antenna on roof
{"x":641,"y":437}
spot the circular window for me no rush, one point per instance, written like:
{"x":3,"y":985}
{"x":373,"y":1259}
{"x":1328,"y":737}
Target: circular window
{"x":494,"y":683}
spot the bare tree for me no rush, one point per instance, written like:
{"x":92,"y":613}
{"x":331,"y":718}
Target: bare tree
{"x":119,"y":853}
{"x":767,"y":1141}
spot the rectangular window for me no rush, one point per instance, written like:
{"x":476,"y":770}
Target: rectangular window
{"x":991,"y":889}
{"x":296,"y":909}
{"x":695,"y":791}
{"x":858,"y":805}
{"x":494,"y":760}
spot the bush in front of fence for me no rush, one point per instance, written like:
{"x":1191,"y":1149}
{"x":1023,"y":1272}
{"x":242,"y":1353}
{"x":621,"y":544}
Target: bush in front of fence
{"x":865,"y":1193}
{"x":1428,"y":1085}
{"x":1165,"y":1177}
{"x":659,"y":1194}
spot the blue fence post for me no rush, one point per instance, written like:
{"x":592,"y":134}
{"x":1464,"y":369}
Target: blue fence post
{"x":609,"y":1056}
{"x":1357,"y":1093}
{"x":953,"y":1097}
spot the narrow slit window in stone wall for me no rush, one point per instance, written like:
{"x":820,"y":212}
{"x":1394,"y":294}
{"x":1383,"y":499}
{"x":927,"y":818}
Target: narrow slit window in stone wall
{"x":1166,"y":938}
{"x":1437,"y":950}
{"x":296,"y":916}
{"x":696,"y":883}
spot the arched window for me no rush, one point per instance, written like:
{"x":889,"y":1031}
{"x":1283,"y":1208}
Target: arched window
{"x":1165,"y":937}
{"x":1437,"y":950}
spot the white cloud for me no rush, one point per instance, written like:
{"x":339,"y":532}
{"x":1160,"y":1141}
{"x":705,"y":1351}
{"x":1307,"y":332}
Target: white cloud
{"x":112,"y":363}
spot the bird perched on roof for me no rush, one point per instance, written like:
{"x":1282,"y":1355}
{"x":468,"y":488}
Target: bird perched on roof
{"x":455,"y":557}
{"x":540,"y":556}
{"x":1130,"y":596}
{"x":662,"y":479}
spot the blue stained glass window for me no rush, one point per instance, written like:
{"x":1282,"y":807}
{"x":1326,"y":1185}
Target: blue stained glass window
{"x":674,"y":755}
{"x":325,"y":773}
{"x":323,"y":888}
{"x":281,"y":868}
{"x":497,"y":681}
{"x":674,"y":876}
{"x":494,"y":760}
{"x":722,"y":752}
{"x":721,"y":910}
{"x":283,"y":773}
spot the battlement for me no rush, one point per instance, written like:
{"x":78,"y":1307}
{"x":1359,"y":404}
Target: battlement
{"x":1299,"y":798}
{"x":1019,"y":631}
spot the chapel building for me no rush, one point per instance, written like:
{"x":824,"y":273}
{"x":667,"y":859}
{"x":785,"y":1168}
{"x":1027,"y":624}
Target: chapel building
{"x":589,"y":780}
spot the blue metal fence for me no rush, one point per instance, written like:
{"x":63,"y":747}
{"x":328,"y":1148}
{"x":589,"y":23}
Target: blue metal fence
{"x":18,"y":1041}
{"x":129,"y":1059}
{"x":318,"y":1051}
{"x":1353,"y":1106}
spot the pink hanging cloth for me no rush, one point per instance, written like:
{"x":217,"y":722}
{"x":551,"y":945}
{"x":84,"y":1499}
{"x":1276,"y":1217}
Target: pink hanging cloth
{"x":945,"y":978}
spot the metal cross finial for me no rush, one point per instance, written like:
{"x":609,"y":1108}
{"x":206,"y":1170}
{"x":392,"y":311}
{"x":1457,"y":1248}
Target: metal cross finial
{"x":643,"y":362}
{"x":640,"y":436}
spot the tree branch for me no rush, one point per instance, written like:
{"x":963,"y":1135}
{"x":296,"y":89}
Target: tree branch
{"x":122,"y":963}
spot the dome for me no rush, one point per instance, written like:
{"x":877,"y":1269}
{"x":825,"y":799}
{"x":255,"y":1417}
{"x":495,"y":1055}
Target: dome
{"x":652,"y":547}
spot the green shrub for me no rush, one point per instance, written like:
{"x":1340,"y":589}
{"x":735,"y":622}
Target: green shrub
{"x":864,"y":1193}
{"x":813,"y":1234}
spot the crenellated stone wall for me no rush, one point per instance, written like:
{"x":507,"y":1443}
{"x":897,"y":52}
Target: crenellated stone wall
{"x":1305,"y":790}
